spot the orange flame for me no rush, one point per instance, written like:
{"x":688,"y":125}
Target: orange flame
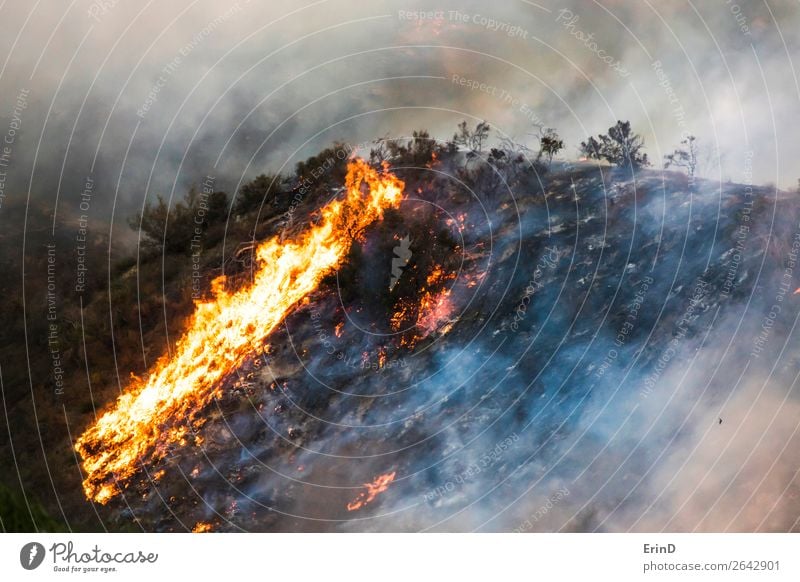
{"x":381,"y":357}
{"x":155,"y":414}
{"x":379,"y":485}
{"x":430,"y":313}
{"x":434,"y":310}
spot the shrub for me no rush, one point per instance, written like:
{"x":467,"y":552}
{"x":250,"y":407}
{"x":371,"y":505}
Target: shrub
{"x":621,"y":146}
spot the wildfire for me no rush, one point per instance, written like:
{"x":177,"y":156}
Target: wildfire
{"x":429,"y":312}
{"x":379,"y":485}
{"x":381,"y":357}
{"x":155,"y":414}
{"x":459,"y":222}
{"x":435,"y":309}
{"x":401,"y":314}
{"x":201,"y":527}
{"x":474,"y":280}
{"x":436,"y":276}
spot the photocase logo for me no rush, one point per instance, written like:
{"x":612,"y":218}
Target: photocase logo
{"x":402,"y":254}
{"x":31,"y":555}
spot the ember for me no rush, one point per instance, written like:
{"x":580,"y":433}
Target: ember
{"x":379,"y":485}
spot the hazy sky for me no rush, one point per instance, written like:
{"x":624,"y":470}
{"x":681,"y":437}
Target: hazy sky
{"x":149,"y":97}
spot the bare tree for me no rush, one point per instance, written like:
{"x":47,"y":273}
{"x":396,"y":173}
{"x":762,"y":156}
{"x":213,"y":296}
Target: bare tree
{"x":518,"y":156}
{"x":379,"y":153}
{"x":473,"y":140}
{"x":685,"y":156}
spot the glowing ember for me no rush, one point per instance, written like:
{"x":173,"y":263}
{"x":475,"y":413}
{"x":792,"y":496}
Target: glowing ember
{"x":436,"y":276}
{"x":473,"y":280}
{"x":796,"y":291}
{"x":402,"y":313}
{"x":381,"y":357}
{"x":430,"y":313}
{"x":201,"y":527}
{"x":163,"y":411}
{"x":459,"y":222}
{"x":379,"y":485}
{"x":434,"y":311}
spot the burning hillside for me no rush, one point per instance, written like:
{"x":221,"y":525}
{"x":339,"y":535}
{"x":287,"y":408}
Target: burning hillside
{"x":432,"y":347}
{"x":156,"y":413}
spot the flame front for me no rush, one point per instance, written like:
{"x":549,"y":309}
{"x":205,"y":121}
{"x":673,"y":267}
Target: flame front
{"x":153,"y":415}
{"x":379,"y":485}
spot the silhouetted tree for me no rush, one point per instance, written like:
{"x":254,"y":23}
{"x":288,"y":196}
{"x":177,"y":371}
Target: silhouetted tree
{"x":473,"y":140}
{"x":550,"y":143}
{"x":621,"y":146}
{"x":684,"y":156}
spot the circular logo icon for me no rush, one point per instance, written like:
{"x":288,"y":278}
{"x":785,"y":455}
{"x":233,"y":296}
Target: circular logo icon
{"x":31,"y":555}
